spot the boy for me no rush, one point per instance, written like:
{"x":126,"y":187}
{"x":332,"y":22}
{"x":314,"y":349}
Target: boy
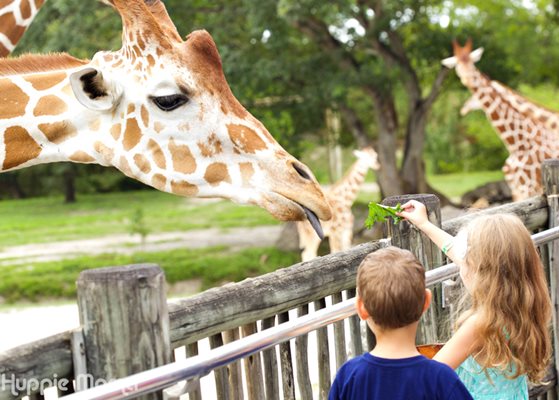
{"x":391,"y":297}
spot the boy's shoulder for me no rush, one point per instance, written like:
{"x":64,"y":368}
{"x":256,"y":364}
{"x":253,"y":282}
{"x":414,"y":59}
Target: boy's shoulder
{"x":416,"y":376}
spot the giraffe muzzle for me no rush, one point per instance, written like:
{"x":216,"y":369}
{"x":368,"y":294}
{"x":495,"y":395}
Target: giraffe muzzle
{"x":314,"y":221}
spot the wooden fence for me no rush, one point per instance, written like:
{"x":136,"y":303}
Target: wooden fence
{"x":127,"y":326}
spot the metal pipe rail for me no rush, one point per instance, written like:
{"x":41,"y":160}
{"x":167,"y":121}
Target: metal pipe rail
{"x":199,"y":366}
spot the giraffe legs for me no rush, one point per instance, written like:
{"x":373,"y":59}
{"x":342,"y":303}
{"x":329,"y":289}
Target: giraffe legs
{"x":308,"y":241}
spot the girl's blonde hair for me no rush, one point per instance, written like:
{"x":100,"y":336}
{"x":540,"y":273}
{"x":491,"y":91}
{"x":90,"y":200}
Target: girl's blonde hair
{"x":509,"y":296}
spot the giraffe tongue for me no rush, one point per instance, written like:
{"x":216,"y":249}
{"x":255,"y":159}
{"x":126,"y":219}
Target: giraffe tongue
{"x":315,"y":223}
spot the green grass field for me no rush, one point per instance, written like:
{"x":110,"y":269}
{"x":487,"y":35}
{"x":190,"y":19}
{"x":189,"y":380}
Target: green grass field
{"x":41,"y":220}
{"x":44,"y":220}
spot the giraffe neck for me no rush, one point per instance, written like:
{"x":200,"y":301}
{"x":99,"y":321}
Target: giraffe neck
{"x":518,"y":121}
{"x":15,"y":18}
{"x":42,"y":122}
{"x":346,"y":189}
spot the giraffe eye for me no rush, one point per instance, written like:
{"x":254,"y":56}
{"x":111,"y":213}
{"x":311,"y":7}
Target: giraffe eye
{"x":170,"y":102}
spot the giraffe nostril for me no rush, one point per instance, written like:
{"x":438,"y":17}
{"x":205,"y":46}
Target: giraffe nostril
{"x":301,"y":171}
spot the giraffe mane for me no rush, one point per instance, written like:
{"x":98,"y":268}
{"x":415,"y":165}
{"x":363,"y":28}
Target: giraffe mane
{"x":30,"y":63}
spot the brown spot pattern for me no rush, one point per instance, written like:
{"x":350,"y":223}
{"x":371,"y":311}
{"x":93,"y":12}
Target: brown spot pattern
{"x":157,"y":154}
{"x":217,"y":173}
{"x":81,"y":157}
{"x":20,"y":147}
{"x":49,"y":105}
{"x":247,"y":171}
{"x":183,"y":160}
{"x":125,"y":167}
{"x":211,"y":147}
{"x":115,"y":131}
{"x":183,"y":188}
{"x":131,"y":108}
{"x":57,"y":132}
{"x":145,"y":115}
{"x":142,"y":163}
{"x":45,"y":81}
{"x":158,"y":126}
{"x":9,"y":24}
{"x":132,"y":134}
{"x":106,"y":152}
{"x":12,"y":100}
{"x":159,"y":181}
{"x":245,"y":139}
{"x":95,"y":124}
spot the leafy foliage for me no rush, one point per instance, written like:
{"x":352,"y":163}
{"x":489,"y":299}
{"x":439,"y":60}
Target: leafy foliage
{"x":379,"y":213}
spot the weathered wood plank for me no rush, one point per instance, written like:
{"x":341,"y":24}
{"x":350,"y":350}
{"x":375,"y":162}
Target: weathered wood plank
{"x":270,"y":361}
{"x":125,"y":324}
{"x":220,"y":374}
{"x":355,"y":329}
{"x":550,"y":175}
{"x":253,"y":368}
{"x":286,"y":362}
{"x":405,"y":236}
{"x":234,"y":369}
{"x":196,"y":392}
{"x":43,"y":359}
{"x":339,"y":335}
{"x":533,"y":212}
{"x":323,"y":354}
{"x":302,"y":360}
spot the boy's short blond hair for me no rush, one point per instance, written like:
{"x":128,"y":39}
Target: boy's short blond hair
{"x":391,"y":284}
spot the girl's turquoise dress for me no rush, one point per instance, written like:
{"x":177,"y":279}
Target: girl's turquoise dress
{"x":498,"y":388}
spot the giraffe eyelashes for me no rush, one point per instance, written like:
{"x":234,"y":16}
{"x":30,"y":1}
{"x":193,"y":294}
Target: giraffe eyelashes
{"x":170,"y":102}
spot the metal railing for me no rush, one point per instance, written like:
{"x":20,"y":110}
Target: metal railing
{"x":194,"y":368}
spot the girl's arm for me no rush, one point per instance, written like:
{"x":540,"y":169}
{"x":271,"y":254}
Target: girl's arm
{"x":416,"y":213}
{"x":461,"y":345}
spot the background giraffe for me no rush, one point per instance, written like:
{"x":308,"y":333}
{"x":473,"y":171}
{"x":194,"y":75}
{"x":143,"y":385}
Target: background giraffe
{"x":160,"y":110}
{"x":15,"y":18}
{"x":341,"y":196}
{"x":530,"y":132}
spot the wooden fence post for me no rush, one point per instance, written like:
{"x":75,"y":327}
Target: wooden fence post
{"x":123,"y":313}
{"x":405,"y":236}
{"x":550,"y":177}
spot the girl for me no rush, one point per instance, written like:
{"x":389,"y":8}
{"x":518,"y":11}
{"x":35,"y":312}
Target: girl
{"x":503,"y":339}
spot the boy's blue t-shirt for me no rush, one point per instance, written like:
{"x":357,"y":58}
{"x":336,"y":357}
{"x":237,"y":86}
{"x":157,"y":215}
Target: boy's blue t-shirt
{"x":373,"y":378}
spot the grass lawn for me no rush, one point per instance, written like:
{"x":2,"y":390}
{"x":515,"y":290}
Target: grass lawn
{"x":41,"y":220}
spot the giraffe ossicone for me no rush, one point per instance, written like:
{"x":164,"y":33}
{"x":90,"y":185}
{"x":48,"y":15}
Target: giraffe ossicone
{"x":341,"y":196}
{"x":159,"y":110}
{"x":529,"y":131}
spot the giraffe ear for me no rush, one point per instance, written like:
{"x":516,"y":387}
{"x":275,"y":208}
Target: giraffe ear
{"x":450,"y":62}
{"x":475,"y":55}
{"x":93,"y":91}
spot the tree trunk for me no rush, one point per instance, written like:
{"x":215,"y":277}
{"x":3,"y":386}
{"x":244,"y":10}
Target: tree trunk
{"x":413,"y":167}
{"x":388,"y":177}
{"x":69,"y":178}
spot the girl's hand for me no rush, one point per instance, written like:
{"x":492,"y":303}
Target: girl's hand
{"x":415,"y":212}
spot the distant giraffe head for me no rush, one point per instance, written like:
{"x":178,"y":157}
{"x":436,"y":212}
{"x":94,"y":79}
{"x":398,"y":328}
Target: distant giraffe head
{"x":368,"y":156}
{"x":463,"y":60}
{"x":160,"y":110}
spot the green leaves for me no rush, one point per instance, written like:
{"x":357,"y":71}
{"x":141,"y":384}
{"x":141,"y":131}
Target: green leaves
{"x":379,"y":213}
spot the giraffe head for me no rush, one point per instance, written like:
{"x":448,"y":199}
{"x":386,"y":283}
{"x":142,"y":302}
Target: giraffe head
{"x":368,"y":156}
{"x":463,"y":60}
{"x":172,"y":122}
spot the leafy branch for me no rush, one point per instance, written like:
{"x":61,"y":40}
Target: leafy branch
{"x":379,"y":213}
